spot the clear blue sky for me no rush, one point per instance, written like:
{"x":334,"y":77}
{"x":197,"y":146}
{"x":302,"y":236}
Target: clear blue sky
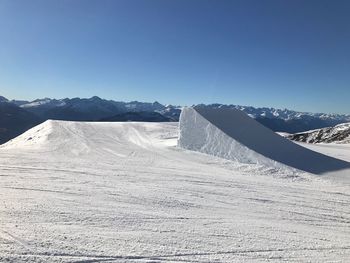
{"x":283,"y":53}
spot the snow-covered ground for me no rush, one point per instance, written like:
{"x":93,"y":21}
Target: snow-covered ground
{"x":123,"y":192}
{"x":233,"y":135}
{"x":340,"y":151}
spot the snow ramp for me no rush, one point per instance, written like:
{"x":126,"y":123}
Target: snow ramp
{"x":233,"y":135}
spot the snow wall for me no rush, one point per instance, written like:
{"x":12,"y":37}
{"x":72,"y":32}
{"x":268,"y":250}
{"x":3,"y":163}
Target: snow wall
{"x":232,"y":134}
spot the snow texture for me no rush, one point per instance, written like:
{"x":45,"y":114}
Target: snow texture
{"x":123,"y":192}
{"x":231,"y":134}
{"x":198,"y":134}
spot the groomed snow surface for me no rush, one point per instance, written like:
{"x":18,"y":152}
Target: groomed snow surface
{"x":124,"y":192}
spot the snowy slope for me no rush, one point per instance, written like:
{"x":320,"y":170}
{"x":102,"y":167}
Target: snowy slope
{"x":337,"y":134}
{"x":123,"y":192}
{"x":231,"y":134}
{"x":199,"y":134}
{"x":339,"y":151}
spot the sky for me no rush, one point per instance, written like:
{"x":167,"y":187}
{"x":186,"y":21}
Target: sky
{"x":277,"y":53}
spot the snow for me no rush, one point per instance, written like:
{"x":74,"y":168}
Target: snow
{"x":41,"y":102}
{"x":340,"y":151}
{"x":283,"y":134}
{"x":199,"y":134}
{"x":231,"y":134}
{"x":124,"y":192}
{"x":36,"y":103}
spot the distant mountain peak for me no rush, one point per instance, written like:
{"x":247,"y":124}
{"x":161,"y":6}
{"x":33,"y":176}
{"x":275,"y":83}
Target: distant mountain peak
{"x":95,"y":98}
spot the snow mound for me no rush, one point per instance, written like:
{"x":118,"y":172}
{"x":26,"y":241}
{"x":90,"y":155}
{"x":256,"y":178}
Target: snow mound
{"x":34,"y":137}
{"x":233,"y":135}
{"x":102,"y":138}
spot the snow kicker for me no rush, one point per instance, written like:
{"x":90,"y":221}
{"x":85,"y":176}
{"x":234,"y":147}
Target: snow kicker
{"x":233,"y":135}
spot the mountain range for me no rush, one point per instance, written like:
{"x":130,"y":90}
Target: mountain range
{"x":16,"y":116}
{"x":93,"y":109}
{"x":284,"y":120}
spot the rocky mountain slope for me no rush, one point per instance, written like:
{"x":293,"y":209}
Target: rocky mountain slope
{"x":337,"y":134}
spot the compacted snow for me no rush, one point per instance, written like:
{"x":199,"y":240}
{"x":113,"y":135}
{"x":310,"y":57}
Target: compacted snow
{"x":124,"y":192}
{"x":231,"y":134}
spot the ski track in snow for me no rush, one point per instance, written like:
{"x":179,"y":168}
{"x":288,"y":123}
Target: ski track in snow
{"x":122,"y":192}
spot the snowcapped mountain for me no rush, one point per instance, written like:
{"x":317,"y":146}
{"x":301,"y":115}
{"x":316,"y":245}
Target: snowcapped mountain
{"x":283,"y":114}
{"x":95,"y":109}
{"x":337,"y":134}
{"x":46,"y":102}
{"x":286,"y":114}
{"x":284,"y":120}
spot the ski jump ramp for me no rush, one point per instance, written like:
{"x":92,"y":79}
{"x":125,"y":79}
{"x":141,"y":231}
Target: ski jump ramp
{"x":233,"y":135}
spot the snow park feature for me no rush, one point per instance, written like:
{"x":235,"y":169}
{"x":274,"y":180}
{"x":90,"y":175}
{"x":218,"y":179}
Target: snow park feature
{"x":232,"y":134}
{"x":125,"y":192}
